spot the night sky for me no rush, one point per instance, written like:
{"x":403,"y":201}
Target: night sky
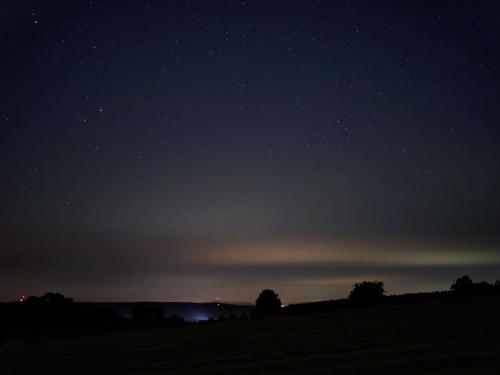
{"x":188,"y":150}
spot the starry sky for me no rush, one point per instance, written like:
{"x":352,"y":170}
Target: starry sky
{"x":187,"y":150}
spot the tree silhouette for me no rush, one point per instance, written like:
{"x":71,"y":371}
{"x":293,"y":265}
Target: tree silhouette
{"x":464,"y":285}
{"x":367,"y":292}
{"x":268,"y":303}
{"x":58,"y":298}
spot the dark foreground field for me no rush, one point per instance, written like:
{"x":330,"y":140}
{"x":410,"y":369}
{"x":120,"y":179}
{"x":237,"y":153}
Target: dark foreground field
{"x":441,"y":337}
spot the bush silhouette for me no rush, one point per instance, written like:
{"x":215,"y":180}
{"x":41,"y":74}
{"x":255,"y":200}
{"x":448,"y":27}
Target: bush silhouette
{"x":367,"y":292}
{"x":268,"y":303}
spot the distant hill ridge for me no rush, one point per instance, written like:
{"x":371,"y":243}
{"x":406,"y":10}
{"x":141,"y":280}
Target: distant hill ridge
{"x":193,"y":311}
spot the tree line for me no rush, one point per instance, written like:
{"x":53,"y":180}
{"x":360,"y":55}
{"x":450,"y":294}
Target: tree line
{"x":369,"y":293}
{"x":53,"y":316}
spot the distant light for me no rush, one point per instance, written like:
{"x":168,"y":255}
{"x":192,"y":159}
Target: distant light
{"x":22,"y":298}
{"x":200,"y":318}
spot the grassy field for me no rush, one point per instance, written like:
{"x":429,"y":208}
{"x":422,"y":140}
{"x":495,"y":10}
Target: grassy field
{"x":440,"y":337}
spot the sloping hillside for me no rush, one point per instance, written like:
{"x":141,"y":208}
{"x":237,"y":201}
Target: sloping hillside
{"x":440,"y":337}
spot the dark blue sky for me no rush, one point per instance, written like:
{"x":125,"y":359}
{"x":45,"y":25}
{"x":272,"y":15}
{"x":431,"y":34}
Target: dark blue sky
{"x":185,"y":150}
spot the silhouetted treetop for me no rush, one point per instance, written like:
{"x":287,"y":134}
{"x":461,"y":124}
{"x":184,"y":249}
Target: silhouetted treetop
{"x":367,"y":291}
{"x":267,"y":303}
{"x":464,"y":286}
